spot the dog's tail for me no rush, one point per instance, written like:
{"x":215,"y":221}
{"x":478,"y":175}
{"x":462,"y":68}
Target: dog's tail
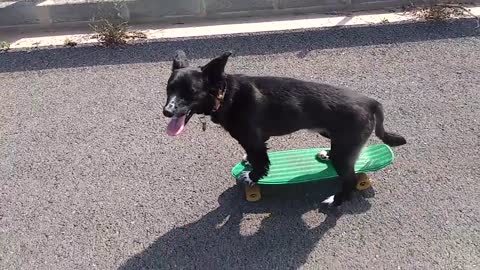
{"x":391,"y":139}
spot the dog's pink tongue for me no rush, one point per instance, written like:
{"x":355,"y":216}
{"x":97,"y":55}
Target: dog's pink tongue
{"x":176,"y":126}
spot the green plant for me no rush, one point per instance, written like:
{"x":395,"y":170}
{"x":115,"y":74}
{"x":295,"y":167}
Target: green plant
{"x":110,"y":33}
{"x":69,"y":43}
{"x":437,"y":13}
{"x":114,"y":33}
{"x":440,"y":12}
{"x":4,"y":46}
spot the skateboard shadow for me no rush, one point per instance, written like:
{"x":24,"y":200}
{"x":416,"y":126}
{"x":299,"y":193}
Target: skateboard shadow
{"x":216,"y":241}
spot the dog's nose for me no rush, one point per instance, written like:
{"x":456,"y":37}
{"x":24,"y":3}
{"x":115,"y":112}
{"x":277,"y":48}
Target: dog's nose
{"x":167,"y":113}
{"x":168,"y":110}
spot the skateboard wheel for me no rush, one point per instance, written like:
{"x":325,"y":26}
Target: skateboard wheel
{"x":253,"y":194}
{"x":363,"y":182}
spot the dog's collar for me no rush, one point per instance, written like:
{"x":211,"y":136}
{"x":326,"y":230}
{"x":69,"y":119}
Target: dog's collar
{"x":219,"y":98}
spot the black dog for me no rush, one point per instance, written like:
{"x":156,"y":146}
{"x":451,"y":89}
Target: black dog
{"x":252,"y":109}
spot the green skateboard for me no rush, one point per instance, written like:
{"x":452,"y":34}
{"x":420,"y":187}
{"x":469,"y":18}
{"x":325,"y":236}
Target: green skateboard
{"x":306,"y":165}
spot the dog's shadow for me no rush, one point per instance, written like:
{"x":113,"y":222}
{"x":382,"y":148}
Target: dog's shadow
{"x":216,"y":240}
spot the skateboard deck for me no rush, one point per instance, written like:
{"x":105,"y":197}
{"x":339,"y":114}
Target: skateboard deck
{"x":303,"y":165}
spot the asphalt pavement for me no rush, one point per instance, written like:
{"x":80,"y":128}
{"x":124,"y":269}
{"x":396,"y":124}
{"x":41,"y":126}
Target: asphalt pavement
{"x":90,"y":180}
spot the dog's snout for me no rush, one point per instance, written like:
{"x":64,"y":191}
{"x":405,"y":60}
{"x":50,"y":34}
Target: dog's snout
{"x":169,"y":109}
{"x":167,"y":113}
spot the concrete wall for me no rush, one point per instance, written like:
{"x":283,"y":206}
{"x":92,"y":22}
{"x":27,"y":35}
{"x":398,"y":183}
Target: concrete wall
{"x":52,"y":12}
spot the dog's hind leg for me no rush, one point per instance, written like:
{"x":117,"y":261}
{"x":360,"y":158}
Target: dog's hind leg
{"x":345,"y":149}
{"x":344,"y":163}
{"x":343,"y":154}
{"x":346,"y":175}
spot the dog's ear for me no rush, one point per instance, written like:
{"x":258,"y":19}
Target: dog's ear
{"x":215,"y":69}
{"x":180,"y":60}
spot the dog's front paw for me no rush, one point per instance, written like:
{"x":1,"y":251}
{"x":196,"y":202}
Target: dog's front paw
{"x":245,"y":160}
{"x":245,"y":178}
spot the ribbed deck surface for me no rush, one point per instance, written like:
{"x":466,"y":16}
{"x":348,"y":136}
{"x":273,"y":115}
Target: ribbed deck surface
{"x":302,"y":165}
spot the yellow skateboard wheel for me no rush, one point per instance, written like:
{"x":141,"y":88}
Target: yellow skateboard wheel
{"x":363,"y":181}
{"x":253,"y":193}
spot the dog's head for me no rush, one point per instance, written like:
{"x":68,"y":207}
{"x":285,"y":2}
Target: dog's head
{"x":193,"y":90}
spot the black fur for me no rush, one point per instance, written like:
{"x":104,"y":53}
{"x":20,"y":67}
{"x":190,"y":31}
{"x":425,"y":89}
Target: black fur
{"x":257,"y":108}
